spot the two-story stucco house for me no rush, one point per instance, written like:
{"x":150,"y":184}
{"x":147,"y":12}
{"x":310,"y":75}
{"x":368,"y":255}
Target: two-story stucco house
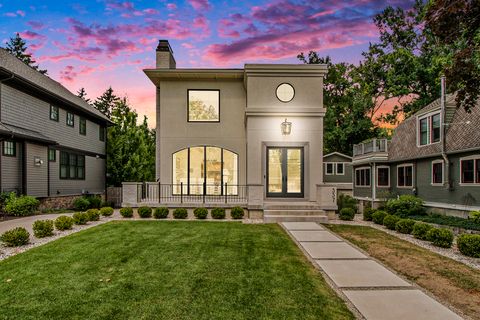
{"x":251,"y":137}
{"x":434,"y":154}
{"x":53,"y":143}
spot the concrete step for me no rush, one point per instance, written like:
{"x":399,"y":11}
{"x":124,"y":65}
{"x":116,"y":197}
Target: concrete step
{"x":292,"y":207}
{"x":297,"y":212}
{"x":294,"y":218}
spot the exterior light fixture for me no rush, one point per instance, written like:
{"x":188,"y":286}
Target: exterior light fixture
{"x":286,"y":127}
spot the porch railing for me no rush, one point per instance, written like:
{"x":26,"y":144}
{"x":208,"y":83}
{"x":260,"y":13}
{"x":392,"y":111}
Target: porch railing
{"x":150,"y":192}
{"x":371,"y":146}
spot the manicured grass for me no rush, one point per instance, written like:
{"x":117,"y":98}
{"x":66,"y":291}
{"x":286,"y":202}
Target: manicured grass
{"x":449,"y":280}
{"x":167,"y":270}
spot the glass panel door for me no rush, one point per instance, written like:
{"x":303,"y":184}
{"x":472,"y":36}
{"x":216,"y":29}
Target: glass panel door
{"x":284,"y":172}
{"x":275,"y":171}
{"x":294,"y":171}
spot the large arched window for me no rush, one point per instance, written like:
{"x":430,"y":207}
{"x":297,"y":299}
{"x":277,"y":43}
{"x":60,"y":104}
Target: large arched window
{"x":206,"y":169}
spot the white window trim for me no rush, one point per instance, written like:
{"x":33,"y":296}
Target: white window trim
{"x":336,"y":168}
{"x":413,"y":175}
{"x":383,"y":167}
{"x":474,"y":184}
{"x":443,"y":173}
{"x":429,"y":132}
{"x":333,"y":168}
{"x":355,"y":177}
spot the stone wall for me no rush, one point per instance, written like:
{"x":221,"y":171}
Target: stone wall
{"x":60,"y":202}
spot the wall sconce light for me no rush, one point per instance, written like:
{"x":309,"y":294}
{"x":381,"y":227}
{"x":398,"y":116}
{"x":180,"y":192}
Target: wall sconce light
{"x":286,"y":127}
{"x":37,"y":161}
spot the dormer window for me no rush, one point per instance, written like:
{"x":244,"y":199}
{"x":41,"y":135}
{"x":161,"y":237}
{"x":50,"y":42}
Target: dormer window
{"x":429,"y":129}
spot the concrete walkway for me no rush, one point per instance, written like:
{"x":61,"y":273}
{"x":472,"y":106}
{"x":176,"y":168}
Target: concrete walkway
{"x":375,"y":291}
{"x":27,"y":222}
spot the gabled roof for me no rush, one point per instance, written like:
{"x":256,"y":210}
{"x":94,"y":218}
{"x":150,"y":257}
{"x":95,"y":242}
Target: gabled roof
{"x":18,"y":70}
{"x":22,"y":133}
{"x":337,"y":154}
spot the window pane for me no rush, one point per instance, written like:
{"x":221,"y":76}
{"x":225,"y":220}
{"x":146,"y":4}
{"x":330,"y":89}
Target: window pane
{"x":52,"y":155}
{"x":408,"y":176}
{"x":275,"y":173}
{"x":383,"y":177}
{"x":83,"y":126}
{"x":214,"y":171}
{"x":63,"y":171}
{"x":230,"y":172}
{"x":180,"y":171}
{"x":101,"y":133}
{"x":294,"y":171}
{"x":70,"y":119}
{"x":401,"y":176}
{"x":9,"y":148}
{"x":437,"y":173}
{"x":54,"y":113}
{"x":203,"y":105}
{"x":357,"y":177}
{"x":197,"y":167}
{"x":367,"y":177}
{"x":467,"y":171}
{"x":436,"y":128}
{"x":329,"y":168}
{"x":424,"y":131}
{"x":80,"y":173}
{"x":340,"y":168}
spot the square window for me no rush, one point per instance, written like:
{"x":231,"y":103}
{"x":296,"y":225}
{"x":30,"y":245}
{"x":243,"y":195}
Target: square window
{"x":340,"y":168}
{"x":101,"y":133}
{"x":405,"y":176}
{"x":9,"y":148}
{"x":54,"y":113}
{"x":362,"y":177}
{"x":83,"y":126}
{"x":329,"y":169}
{"x":52,"y":155}
{"x":203,"y":105}
{"x":70,"y":119}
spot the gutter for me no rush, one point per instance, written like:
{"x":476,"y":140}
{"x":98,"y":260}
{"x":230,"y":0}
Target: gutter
{"x":443,"y":133}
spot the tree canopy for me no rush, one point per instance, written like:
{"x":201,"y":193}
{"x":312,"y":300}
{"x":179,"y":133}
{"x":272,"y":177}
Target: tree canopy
{"x":18,"y":47}
{"x":106,"y":102}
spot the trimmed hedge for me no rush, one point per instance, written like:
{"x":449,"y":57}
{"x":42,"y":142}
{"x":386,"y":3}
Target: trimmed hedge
{"x":43,"y":228}
{"x":347,"y":214}
{"x":237,"y":213}
{"x":440,"y":237}
{"x":469,"y":244}
{"x":180,"y":213}
{"x":106,"y":211}
{"x":81,"y":204}
{"x":218,"y":213}
{"x":367,"y":214}
{"x":80,"y":218}
{"x":126,"y":212}
{"x":93,"y":214}
{"x":21,"y":206}
{"x":378,"y":216}
{"x":16,"y":237}
{"x":405,"y":226}
{"x":405,"y":205}
{"x":160,"y":213}
{"x":420,"y":230}
{"x":200,"y":213}
{"x":390,"y":221}
{"x":63,"y":223}
{"x":145,"y":212}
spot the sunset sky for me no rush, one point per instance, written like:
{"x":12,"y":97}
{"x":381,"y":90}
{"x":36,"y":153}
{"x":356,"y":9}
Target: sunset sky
{"x":102,"y":43}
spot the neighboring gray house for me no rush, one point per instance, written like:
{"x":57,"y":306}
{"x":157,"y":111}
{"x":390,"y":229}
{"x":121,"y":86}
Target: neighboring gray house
{"x":337,"y":172}
{"x":53,"y":143}
{"x":434,"y":154}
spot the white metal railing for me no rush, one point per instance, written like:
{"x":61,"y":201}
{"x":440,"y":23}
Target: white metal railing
{"x":371,"y":146}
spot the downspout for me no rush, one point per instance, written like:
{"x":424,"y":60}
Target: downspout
{"x":443,"y":134}
{"x":374,"y":183}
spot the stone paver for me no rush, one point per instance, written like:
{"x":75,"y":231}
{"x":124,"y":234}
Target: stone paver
{"x":398,"y":304}
{"x":314,"y":236}
{"x":360,"y":273}
{"x":331,"y":250}
{"x":302,"y":226}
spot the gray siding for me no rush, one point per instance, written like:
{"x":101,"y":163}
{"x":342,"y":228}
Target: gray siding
{"x":345,"y":178}
{"x":36,"y":175}
{"x":11,"y":170}
{"x":362,"y":192}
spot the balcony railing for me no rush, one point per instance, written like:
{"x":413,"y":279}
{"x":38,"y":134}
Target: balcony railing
{"x":371,"y":146}
{"x":151,"y":192}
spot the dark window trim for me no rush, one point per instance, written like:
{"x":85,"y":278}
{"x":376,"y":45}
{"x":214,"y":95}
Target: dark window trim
{"x":82,"y":124}
{"x":326,"y":168}
{"x":387,"y":185}
{"x":276,"y":95}
{"x":14,"y":148}
{"x":101,"y":133}
{"x":188,"y":106}
{"x":54,"y":155}
{"x":58,"y":113}
{"x":73,"y":119}
{"x":64,"y":155}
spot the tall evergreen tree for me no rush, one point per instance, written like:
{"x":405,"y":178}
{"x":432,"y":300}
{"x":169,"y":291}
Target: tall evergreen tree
{"x":18,"y":47}
{"x":83,"y":94}
{"x":107,"y":102}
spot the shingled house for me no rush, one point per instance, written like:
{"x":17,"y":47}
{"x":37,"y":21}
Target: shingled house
{"x":434,"y":154}
{"x":53,"y":142}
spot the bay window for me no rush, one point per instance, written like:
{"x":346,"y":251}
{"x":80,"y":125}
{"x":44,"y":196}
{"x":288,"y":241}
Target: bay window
{"x":362,"y":177}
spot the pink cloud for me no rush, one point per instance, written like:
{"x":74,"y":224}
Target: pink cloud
{"x":200,"y":5}
{"x":171,"y":6}
{"x":21,"y":13}
{"x":36,"y":25}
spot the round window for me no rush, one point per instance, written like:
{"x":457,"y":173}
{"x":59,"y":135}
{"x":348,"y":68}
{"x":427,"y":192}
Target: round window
{"x":285,"y":92}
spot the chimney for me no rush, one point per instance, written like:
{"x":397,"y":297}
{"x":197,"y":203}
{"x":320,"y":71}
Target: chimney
{"x":165,"y":59}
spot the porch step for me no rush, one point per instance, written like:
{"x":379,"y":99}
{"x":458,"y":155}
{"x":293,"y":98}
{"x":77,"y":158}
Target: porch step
{"x":294,"y":212}
{"x":307,"y":206}
{"x":294,"y":218}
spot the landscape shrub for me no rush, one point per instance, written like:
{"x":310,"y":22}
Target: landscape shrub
{"x":218,"y":213}
{"x":200,"y":213}
{"x":43,"y":228}
{"x":475,"y":216}
{"x":16,"y":237}
{"x":440,"y":237}
{"x":81,"y":204}
{"x":107,"y":204}
{"x":405,"y":205}
{"x":469,"y":244}
{"x":145,"y":212}
{"x":21,"y":206}
{"x":80,"y":218}
{"x":106,"y":211}
{"x":160,"y":213}
{"x":126,"y":212}
{"x":405,"y":226}
{"x":420,"y":230}
{"x":347,"y":214}
{"x":95,"y":202}
{"x":378,"y":216}
{"x":237,"y":213}
{"x":367,"y":213}
{"x":93,"y":214}
{"x":390,"y":221}
{"x":63,"y":223}
{"x":346,"y":201}
{"x":4,"y":196}
{"x":451,"y":221}
{"x":180,"y":213}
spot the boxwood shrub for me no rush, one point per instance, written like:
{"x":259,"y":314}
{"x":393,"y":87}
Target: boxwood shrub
{"x":16,"y":237}
{"x":475,"y":216}
{"x":237,"y":213}
{"x":95,"y":202}
{"x":43,"y":228}
{"x":200,"y":213}
{"x":347,"y":214}
{"x":126,"y":212}
{"x":390,"y":221}
{"x":106,"y":211}
{"x":367,"y":213}
{"x":180,"y":213}
{"x":160,"y":213}
{"x":93,"y":214}
{"x":405,"y":226}
{"x":440,"y":237}
{"x":405,"y":205}
{"x":21,"y":206}
{"x":420,"y":230}
{"x":81,"y":204}
{"x":378,"y":216}
{"x":469,"y":244}
{"x":346,"y":201}
{"x":218,"y":213}
{"x":80,"y":218}
{"x":63,"y":223}
{"x":145,"y":212}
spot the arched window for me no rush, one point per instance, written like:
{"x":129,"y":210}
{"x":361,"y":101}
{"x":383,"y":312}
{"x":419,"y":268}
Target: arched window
{"x":205,"y":169}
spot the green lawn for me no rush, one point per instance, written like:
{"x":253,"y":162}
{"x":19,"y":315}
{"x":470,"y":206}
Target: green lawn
{"x":167,"y":270}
